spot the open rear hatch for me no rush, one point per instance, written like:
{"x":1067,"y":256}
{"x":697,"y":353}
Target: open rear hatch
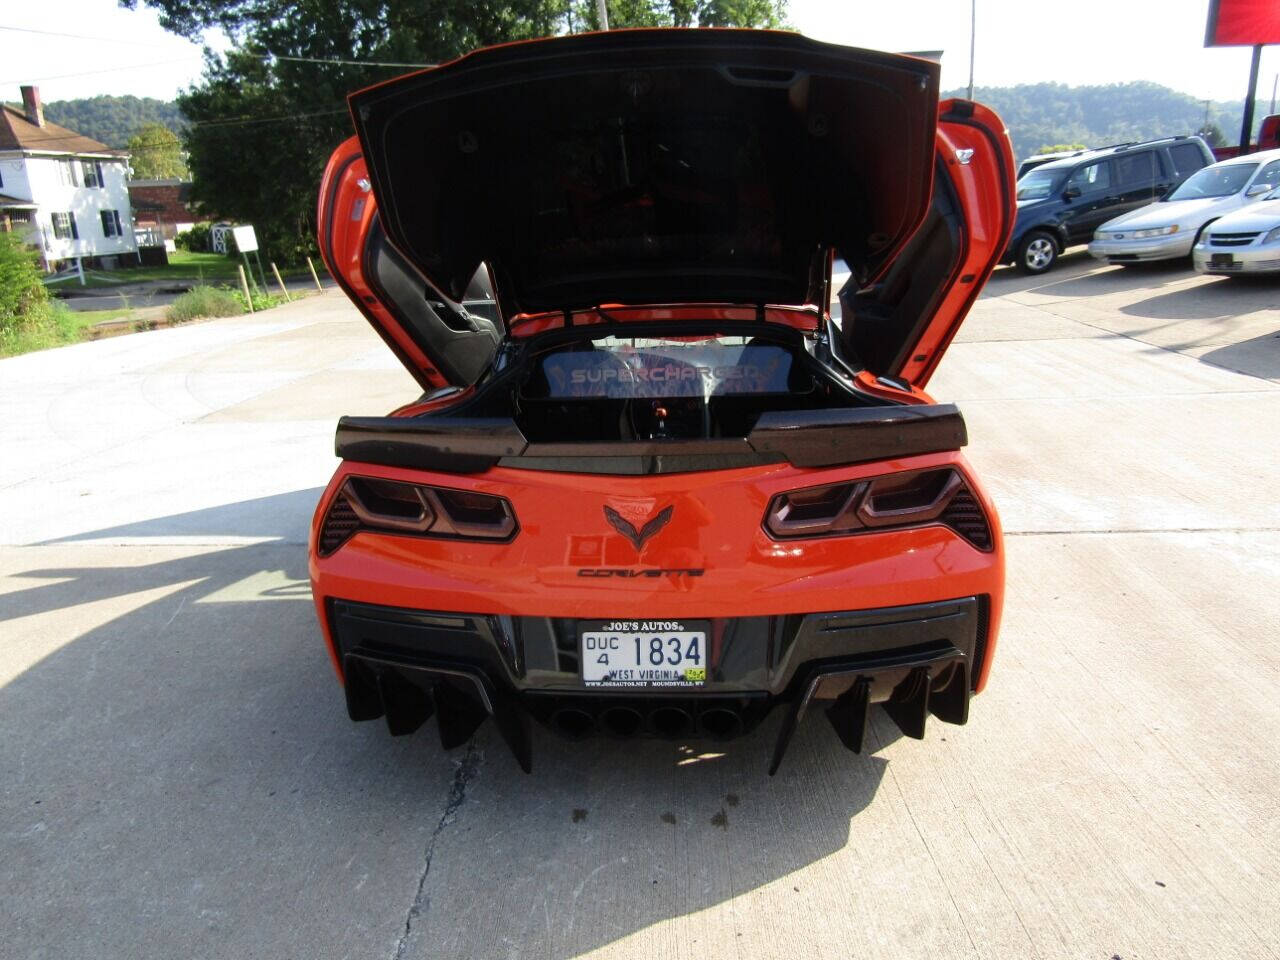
{"x":663,"y":167}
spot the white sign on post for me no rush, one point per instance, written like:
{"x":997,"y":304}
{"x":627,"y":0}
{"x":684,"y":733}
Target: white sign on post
{"x":246,"y":239}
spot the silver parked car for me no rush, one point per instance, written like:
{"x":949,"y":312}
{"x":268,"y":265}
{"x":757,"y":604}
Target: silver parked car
{"x":1247,"y":241}
{"x":1171,"y":226}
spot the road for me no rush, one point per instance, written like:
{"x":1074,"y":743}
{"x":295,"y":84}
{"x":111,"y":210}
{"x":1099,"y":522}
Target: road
{"x":156,"y":293}
{"x":180,"y":777}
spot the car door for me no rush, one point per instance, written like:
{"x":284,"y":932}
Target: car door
{"x":1088,"y":200}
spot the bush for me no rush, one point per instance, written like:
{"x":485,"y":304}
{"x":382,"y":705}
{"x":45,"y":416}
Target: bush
{"x":197,"y":239}
{"x":204,"y":302}
{"x":29,"y":320}
{"x":21,"y":290}
{"x":261,"y":301}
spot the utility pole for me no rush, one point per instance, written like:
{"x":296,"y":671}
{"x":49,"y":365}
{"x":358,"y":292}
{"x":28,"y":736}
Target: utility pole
{"x":602,"y":11}
{"x":1246,"y":127}
{"x":973,"y":37}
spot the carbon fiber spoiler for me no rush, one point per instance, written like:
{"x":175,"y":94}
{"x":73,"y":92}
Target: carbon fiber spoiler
{"x":804,"y":438}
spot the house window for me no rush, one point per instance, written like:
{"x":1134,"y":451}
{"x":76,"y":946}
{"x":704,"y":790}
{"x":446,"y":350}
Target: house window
{"x":92,"y":171}
{"x":111,"y":223}
{"x":68,"y":173}
{"x":64,"y":226}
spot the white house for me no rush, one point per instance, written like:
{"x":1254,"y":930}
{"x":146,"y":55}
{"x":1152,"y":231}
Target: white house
{"x":67,"y":193}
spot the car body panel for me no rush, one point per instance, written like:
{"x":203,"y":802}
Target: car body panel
{"x":556,"y":202}
{"x":353,"y":221}
{"x":715,"y":527}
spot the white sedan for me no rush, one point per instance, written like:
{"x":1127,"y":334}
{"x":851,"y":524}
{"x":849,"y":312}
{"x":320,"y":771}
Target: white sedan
{"x":1171,"y":226}
{"x":1247,"y":241}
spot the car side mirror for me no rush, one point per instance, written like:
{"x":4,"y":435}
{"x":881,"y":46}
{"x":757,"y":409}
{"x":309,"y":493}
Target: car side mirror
{"x":1071,"y":193}
{"x":1258,"y":189}
{"x":1161,"y":189}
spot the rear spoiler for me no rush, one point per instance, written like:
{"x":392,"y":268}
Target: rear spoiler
{"x":803,"y":438}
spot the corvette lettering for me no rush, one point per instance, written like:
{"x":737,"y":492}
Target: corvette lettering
{"x":625,"y":572}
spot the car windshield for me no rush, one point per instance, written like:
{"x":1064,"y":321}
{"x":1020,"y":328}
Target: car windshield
{"x":1215,"y":182}
{"x":1038,"y":184}
{"x":626,"y":368}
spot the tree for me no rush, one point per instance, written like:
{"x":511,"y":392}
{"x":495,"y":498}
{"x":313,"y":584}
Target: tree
{"x":266,"y":115}
{"x":1060,"y":148}
{"x":1212,"y":135}
{"x":156,"y":154}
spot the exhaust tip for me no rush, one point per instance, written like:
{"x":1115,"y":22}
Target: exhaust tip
{"x":670,"y":722}
{"x":572,"y":723}
{"x":621,"y":721}
{"x":720,"y":723}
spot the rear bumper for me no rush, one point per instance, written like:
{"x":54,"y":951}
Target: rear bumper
{"x":406,"y":665}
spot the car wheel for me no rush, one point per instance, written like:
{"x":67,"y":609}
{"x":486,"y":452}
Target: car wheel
{"x":1037,"y":252}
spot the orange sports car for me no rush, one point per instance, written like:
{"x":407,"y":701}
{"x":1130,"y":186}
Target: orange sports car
{"x":655,"y":485}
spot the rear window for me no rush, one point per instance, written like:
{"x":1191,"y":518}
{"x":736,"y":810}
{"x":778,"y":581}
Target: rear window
{"x":618,"y":368}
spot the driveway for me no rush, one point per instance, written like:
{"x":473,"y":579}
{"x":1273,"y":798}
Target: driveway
{"x":180,"y":777}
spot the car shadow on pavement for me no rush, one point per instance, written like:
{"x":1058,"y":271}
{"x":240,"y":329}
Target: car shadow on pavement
{"x":1259,"y":357}
{"x":281,"y":517}
{"x":1082,"y":276}
{"x":1225,"y":298}
{"x":181,"y":776}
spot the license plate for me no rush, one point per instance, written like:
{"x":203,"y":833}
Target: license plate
{"x":643,"y":653}
{"x":1222,"y":260}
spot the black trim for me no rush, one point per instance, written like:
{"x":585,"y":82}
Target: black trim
{"x":451,"y":445}
{"x":804,"y":438}
{"x":828,"y":438}
{"x":408,"y":664}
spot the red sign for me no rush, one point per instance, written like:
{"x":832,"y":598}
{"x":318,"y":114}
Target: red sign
{"x":1242,"y":23}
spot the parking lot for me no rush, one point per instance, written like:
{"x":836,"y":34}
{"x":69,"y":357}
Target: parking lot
{"x":180,"y":779}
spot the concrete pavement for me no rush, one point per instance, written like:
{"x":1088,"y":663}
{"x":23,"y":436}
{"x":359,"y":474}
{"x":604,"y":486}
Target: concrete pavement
{"x":180,"y":778}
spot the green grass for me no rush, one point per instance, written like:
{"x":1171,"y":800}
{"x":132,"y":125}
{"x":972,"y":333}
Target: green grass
{"x":204,"y":301}
{"x":49,"y":325}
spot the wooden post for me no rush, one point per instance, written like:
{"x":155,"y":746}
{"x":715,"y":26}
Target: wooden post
{"x":283,"y":288}
{"x":244,"y":287}
{"x":314,"y":276}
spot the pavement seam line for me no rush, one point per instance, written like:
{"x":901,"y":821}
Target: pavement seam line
{"x":465,"y":773}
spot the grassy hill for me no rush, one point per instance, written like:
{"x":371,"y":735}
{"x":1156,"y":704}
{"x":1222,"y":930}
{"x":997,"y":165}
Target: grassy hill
{"x":1040,"y":114}
{"x":113,"y":120}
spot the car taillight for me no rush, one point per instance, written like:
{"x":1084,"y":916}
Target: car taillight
{"x":882,"y":503}
{"x":389,"y":506}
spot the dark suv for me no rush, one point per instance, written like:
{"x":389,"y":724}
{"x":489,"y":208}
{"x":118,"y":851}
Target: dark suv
{"x":1061,"y":203}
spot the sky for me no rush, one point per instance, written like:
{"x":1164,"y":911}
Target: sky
{"x":117,"y":51}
